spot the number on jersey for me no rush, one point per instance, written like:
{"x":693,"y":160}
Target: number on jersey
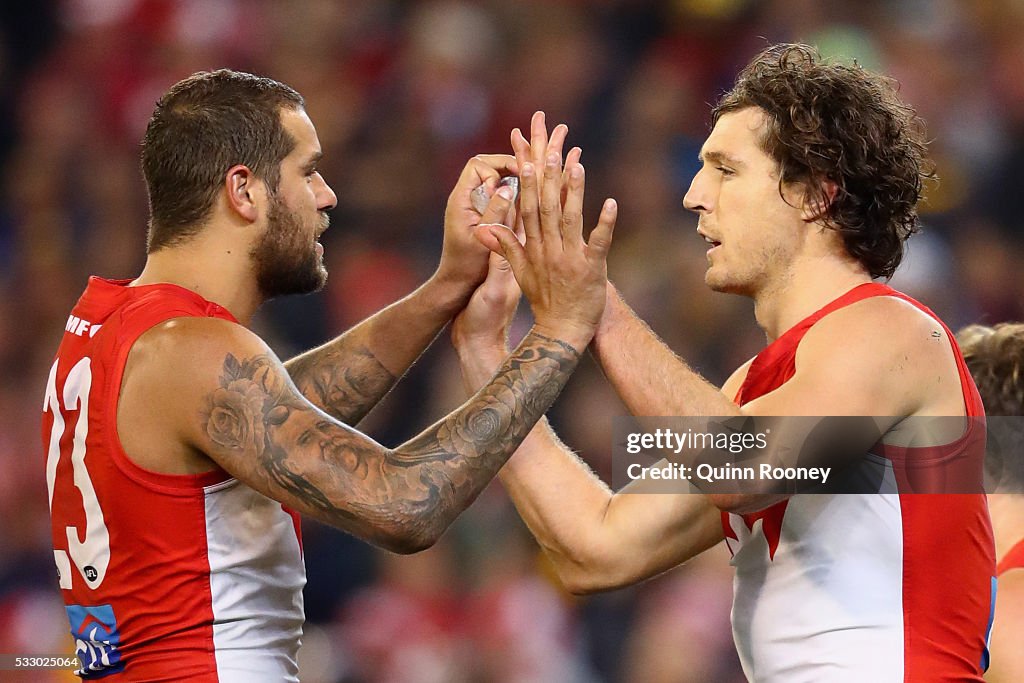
{"x":91,"y":555}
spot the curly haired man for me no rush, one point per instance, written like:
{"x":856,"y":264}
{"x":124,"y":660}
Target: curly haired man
{"x":808,"y":189}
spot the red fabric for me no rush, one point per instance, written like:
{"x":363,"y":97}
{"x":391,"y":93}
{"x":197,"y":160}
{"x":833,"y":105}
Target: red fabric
{"x":1012,"y":560}
{"x":947,"y":537}
{"x":157,"y":580}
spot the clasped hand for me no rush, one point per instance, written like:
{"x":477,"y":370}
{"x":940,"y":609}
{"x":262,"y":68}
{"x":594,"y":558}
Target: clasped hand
{"x":563,"y":276}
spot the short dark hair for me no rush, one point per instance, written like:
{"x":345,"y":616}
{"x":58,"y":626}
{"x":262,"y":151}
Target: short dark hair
{"x":201,"y":127}
{"x":840,"y":123}
{"x":995,"y":357}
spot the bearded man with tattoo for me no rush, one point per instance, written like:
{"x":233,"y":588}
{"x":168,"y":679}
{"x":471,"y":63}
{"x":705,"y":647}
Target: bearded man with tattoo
{"x":179,"y":449}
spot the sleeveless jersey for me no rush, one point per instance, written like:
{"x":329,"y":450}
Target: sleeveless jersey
{"x":874,"y":587}
{"x":1014,"y":559}
{"x":164,"y":577}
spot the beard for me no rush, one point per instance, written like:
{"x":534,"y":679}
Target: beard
{"x":285,"y":258}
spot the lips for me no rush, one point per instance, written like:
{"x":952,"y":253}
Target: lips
{"x":709,"y":240}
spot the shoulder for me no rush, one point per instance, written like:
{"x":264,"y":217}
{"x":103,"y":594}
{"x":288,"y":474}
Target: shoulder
{"x":192,"y":341}
{"x":885,"y":356}
{"x":883,"y":323}
{"x":181,"y":360}
{"x":882,"y":334}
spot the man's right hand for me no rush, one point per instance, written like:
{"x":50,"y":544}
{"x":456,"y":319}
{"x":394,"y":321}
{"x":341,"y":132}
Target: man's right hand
{"x":562,"y":276}
{"x":463,"y":259}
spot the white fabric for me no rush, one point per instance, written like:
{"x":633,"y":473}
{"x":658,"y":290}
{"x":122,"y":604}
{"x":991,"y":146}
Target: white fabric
{"x":829,"y":605}
{"x":256,"y":581}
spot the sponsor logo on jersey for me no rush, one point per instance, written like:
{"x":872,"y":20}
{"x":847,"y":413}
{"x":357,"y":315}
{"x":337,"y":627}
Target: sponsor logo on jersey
{"x":76,"y":325}
{"x":97,"y":640}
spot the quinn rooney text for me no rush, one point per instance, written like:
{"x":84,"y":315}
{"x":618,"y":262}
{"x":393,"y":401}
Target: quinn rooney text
{"x":727,"y":472}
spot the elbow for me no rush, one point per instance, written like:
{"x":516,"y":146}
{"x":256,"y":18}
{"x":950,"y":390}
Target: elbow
{"x":404,"y":545}
{"x":407,"y":546}
{"x":728,"y":502}
{"x":416,"y":533}
{"x":584,"y":584}
{"x":586,"y":576}
{"x":410,"y":541}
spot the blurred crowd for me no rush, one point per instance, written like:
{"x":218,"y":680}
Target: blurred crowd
{"x":402,"y":93}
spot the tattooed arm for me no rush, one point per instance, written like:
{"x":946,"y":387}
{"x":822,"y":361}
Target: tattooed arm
{"x":348,"y":376}
{"x":222,"y":393}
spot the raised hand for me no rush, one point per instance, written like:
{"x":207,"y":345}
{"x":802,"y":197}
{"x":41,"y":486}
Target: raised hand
{"x":480,"y":331}
{"x":463,"y":259}
{"x":563,"y":276}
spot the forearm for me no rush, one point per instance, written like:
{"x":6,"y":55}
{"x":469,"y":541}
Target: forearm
{"x":349,"y":375}
{"x":559,"y":498}
{"x":646,"y":374}
{"x":456,"y":458}
{"x":594,"y":539}
{"x":564,"y":504}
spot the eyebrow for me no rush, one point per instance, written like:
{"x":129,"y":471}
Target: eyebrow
{"x":313,"y":160}
{"x":715,"y":157}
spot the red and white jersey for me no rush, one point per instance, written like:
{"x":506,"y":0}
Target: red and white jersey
{"x":874,"y":587}
{"x":164,"y":577}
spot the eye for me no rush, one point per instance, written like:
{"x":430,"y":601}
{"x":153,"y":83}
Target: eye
{"x":725,"y":170}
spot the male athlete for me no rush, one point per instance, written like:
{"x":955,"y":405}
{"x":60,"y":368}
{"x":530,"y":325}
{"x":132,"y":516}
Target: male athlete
{"x":180,"y":450}
{"x":808,"y":188}
{"x":995,"y":356}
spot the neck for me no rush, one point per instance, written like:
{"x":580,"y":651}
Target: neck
{"x":809,"y":283}
{"x":1007,"y":512}
{"x":217,"y":272}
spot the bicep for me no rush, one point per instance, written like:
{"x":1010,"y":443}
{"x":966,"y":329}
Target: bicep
{"x":237,"y":404}
{"x":838,"y":403}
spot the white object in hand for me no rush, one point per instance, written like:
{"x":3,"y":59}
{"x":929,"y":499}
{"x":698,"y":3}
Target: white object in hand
{"x":480,"y":198}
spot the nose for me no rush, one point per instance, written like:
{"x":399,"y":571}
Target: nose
{"x":697,"y":198}
{"x":325,"y":197}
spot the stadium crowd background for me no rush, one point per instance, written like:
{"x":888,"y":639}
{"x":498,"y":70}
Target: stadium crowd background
{"x":402,"y":93}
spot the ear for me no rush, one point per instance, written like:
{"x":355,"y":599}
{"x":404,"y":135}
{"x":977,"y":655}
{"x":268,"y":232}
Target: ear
{"x":815,"y":206}
{"x":244,"y":191}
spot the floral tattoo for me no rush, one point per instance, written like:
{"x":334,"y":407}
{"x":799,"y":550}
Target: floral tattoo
{"x":264,"y":431}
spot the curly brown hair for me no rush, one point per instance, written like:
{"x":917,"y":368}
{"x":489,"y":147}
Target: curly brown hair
{"x":995,"y":357}
{"x":839,"y":123}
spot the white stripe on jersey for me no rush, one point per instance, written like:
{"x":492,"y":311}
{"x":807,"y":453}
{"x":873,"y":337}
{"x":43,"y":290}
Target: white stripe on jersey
{"x":256,"y":581}
{"x":829,"y":606}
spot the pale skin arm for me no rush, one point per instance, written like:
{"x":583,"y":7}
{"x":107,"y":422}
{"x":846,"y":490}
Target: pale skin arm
{"x":224,"y":397}
{"x":871,"y":376}
{"x":349,"y":375}
{"x":596,"y":540}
